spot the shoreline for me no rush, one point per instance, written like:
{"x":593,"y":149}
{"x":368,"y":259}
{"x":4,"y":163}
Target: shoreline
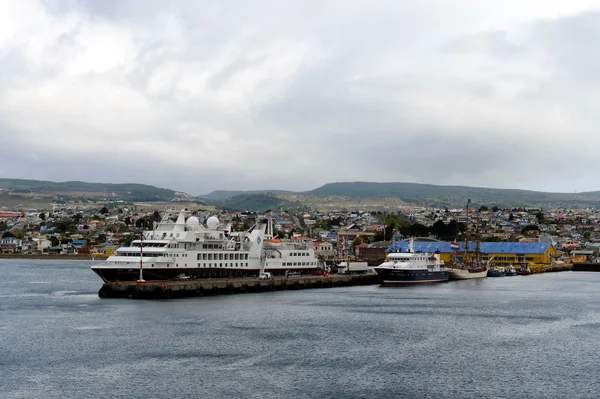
{"x":48,"y":256}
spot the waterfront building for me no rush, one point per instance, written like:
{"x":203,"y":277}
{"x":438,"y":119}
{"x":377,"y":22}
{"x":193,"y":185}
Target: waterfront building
{"x":503,"y":253}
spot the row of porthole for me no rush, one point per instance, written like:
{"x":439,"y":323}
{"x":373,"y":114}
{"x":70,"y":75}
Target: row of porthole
{"x":210,"y":265}
{"x":221,"y":265}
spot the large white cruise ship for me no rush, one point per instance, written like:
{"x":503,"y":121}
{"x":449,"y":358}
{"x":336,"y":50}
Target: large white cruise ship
{"x":188,"y":247}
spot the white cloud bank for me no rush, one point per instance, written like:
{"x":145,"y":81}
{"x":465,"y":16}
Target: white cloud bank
{"x":197,"y":96}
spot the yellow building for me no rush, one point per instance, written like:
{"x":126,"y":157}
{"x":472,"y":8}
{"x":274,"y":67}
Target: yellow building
{"x":500,"y":253}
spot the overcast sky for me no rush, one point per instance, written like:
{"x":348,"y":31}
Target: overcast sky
{"x":204,"y":95}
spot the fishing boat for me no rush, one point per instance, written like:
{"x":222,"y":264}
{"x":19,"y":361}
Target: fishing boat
{"x":496,"y":271}
{"x":412,"y":268}
{"x":525,"y":270}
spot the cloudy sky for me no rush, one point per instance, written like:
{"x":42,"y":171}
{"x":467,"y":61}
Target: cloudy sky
{"x":203,"y":95}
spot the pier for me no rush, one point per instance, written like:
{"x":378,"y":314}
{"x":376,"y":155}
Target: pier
{"x":223,"y":286}
{"x":586,"y":267}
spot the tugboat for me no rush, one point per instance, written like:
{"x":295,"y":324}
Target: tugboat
{"x":496,"y":271}
{"x":412,"y":268}
{"x":525,"y":270}
{"x":511,"y":271}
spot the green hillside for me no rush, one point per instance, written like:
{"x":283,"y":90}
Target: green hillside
{"x":132,"y":192}
{"x":257,"y":203}
{"x":222,"y":195}
{"x":434,"y":195}
{"x":18,"y":191}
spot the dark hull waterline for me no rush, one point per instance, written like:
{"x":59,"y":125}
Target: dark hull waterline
{"x":151,"y":274}
{"x":419,"y":276}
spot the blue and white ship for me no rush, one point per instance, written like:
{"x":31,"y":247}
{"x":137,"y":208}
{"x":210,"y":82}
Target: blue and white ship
{"x":412,"y":268}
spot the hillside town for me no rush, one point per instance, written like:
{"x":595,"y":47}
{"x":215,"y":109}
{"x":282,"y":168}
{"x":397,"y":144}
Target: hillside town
{"x":364,"y":235}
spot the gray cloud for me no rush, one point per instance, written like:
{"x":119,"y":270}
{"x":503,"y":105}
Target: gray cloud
{"x":195,"y":96}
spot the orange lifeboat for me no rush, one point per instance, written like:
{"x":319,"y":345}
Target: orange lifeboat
{"x":273,"y":242}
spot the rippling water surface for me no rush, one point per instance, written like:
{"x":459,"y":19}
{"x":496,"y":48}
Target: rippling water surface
{"x":513,"y":337}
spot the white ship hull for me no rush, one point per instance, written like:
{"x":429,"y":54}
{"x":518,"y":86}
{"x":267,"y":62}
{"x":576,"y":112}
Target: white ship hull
{"x":464,"y":274}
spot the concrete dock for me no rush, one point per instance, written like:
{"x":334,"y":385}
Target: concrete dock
{"x":586,"y":267}
{"x":206,"y":287}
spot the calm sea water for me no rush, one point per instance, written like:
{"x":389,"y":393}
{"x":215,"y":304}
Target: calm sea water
{"x":513,"y":337}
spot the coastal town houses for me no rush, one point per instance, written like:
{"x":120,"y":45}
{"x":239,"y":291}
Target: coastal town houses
{"x":17,"y":242}
{"x":41,"y":243}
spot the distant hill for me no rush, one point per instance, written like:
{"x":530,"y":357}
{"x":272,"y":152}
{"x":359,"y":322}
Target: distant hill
{"x":221,"y":195}
{"x":18,"y":191}
{"x":434,"y":195}
{"x":258,"y":203}
{"x":78,"y":189}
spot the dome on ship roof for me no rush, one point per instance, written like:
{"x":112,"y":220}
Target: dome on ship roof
{"x":213,"y":222}
{"x":193,"y":220}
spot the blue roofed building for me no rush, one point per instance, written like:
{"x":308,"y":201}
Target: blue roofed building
{"x":503,"y":253}
{"x":79,"y":243}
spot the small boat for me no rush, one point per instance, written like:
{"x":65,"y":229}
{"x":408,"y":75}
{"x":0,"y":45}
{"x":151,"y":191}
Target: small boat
{"x":525,"y":270}
{"x":496,"y":271}
{"x":477,"y":269}
{"x":463,"y":273}
{"x":511,"y":271}
{"x":470,"y":265}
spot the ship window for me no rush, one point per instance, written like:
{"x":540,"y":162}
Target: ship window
{"x":220,"y":265}
{"x":198,"y":257}
{"x":153,"y":265}
{"x":236,"y":265}
{"x":220,"y":256}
